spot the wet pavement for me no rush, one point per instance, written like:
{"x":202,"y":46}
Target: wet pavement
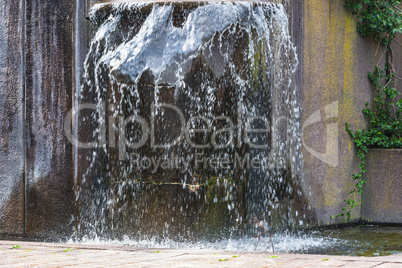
{"x":34,"y":254}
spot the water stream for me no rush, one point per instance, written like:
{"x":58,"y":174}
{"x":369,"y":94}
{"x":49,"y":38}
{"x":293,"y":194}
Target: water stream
{"x":194,"y":137}
{"x":197,"y":123}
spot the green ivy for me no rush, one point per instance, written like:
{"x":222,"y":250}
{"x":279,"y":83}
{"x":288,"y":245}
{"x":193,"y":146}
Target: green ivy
{"x":383,"y":19}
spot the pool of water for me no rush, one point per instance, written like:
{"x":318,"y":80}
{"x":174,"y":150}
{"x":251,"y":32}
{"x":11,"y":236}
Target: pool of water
{"x":369,"y":241}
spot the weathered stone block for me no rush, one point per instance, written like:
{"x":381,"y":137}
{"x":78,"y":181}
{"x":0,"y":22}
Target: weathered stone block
{"x":382,"y":199}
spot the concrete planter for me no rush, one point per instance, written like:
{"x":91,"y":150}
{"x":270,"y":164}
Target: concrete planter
{"x":382,"y":199}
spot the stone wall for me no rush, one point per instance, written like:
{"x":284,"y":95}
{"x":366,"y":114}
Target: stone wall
{"x":49,"y":88}
{"x":11,"y":123}
{"x":382,"y":200}
{"x":336,"y":60}
{"x":36,"y":77}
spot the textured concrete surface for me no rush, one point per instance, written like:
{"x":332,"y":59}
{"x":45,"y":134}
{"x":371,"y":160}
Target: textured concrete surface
{"x":65,"y":255}
{"x":11,"y":119}
{"x":382,"y":199}
{"x":49,"y":87}
{"x":36,"y":76}
{"x":336,"y":60}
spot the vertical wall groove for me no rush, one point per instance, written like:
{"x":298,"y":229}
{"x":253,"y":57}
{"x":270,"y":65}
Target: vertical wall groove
{"x":24,"y":180}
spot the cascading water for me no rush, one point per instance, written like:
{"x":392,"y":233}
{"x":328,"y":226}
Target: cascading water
{"x":197,"y":122}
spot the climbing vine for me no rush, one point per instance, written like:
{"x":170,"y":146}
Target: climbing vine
{"x":379,"y":17}
{"x":383,"y":20}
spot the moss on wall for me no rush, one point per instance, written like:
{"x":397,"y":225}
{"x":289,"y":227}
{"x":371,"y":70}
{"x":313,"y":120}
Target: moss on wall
{"x":336,"y":61}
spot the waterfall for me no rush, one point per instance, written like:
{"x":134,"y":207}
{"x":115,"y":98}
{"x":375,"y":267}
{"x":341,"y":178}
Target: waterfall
{"x":195,"y":130}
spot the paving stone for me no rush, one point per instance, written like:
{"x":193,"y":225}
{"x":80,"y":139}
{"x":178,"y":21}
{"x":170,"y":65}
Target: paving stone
{"x":330,"y":263}
{"x":297,"y":263}
{"x":53,"y":255}
{"x":389,"y":265}
{"x":361,"y":264}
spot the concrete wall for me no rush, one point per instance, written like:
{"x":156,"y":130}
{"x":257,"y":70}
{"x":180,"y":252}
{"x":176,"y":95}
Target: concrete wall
{"x":382,"y":200}
{"x":49,"y":88}
{"x":336,"y":60}
{"x":36,"y":77}
{"x":11,"y":122}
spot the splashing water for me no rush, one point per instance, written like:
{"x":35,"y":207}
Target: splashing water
{"x":282,"y":244}
{"x":369,"y":241}
{"x":196,"y":123}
